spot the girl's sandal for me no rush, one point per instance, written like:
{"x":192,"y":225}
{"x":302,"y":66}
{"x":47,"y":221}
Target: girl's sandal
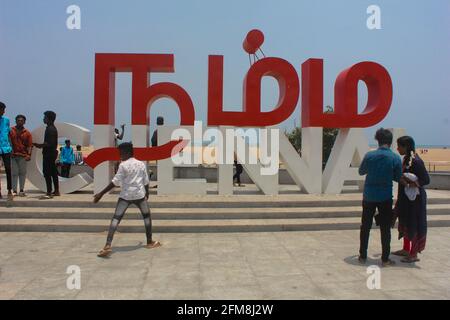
{"x":104,"y":253}
{"x":401,"y":253}
{"x":410,"y":260}
{"x":154,"y":244}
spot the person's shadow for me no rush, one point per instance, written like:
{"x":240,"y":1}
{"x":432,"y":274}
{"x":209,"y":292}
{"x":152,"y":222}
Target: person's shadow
{"x":140,"y":245}
{"x":117,"y":249}
{"x":353,"y":260}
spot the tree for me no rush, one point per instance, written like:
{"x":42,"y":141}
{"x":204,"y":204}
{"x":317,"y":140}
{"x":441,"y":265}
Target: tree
{"x":329,"y":137}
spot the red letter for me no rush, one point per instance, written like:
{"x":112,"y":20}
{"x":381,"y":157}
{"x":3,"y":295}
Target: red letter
{"x":143,"y":95}
{"x":252,"y":116}
{"x":379,"y":87}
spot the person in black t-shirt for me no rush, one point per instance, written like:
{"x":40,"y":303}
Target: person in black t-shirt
{"x":50,"y":154}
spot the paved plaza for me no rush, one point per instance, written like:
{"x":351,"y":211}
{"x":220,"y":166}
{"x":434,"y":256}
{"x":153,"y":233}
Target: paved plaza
{"x":218,"y":265}
{"x":281,"y":265}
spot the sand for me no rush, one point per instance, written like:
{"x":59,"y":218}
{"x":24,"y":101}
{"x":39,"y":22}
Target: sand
{"x":436,"y":159}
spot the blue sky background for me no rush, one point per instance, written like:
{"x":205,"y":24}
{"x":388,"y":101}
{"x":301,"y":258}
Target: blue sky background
{"x":43,"y":65}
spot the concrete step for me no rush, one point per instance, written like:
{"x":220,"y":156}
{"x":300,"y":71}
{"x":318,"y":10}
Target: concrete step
{"x":198,"y":213}
{"x":302,"y":201}
{"x":195,"y":226}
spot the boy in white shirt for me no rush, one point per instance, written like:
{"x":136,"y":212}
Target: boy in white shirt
{"x":133,"y":179}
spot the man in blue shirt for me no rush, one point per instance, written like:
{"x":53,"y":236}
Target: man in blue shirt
{"x":382,"y":166}
{"x":5,"y":148}
{"x":67,"y":159}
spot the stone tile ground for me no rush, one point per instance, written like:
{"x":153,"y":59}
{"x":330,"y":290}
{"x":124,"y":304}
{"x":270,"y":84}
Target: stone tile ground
{"x":289,"y":265}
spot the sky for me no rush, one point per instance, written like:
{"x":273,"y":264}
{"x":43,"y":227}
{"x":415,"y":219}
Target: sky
{"x":44,"y":65}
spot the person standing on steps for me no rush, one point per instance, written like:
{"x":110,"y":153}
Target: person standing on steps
{"x":5,"y":149}
{"x":79,"y":156}
{"x":382,"y":166}
{"x":67,"y":159}
{"x":22,"y":144}
{"x":49,"y":155}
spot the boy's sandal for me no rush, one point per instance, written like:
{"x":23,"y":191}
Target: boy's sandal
{"x":388,"y":263}
{"x":46,"y":197}
{"x":104,"y":253}
{"x":410,"y":260}
{"x":153,"y":245}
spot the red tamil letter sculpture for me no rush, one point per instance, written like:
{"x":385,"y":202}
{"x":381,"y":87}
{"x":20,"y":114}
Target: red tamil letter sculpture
{"x":252,"y":116}
{"x":345,"y":115}
{"x":143,"y":95}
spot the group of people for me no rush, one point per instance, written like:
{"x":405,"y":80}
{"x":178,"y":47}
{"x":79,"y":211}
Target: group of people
{"x":15,"y":150}
{"x":382,"y":167}
{"x":16,"y":144}
{"x":67,"y":158}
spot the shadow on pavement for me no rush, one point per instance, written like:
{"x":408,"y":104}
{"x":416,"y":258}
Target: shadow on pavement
{"x":353,"y":260}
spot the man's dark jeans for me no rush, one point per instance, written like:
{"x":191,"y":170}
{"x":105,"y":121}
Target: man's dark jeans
{"x":384,"y":219}
{"x":50,"y":172}
{"x":7,"y":164}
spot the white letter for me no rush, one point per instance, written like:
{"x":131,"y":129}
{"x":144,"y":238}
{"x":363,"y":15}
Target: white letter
{"x":167,"y":184}
{"x":306,"y":171}
{"x":77,"y":135}
{"x":348,"y":151}
{"x":225,"y":169}
{"x":268,"y":184}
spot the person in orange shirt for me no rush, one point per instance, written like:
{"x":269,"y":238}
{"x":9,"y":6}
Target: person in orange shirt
{"x":22,"y":143}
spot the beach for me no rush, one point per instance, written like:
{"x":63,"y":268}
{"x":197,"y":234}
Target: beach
{"x":437,"y":159}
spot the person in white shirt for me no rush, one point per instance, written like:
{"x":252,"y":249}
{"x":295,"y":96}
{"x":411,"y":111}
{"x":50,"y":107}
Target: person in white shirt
{"x":133,"y":179}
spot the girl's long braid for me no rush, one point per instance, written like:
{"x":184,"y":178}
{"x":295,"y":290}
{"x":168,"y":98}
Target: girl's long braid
{"x":408,"y":143}
{"x":409,"y":157}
